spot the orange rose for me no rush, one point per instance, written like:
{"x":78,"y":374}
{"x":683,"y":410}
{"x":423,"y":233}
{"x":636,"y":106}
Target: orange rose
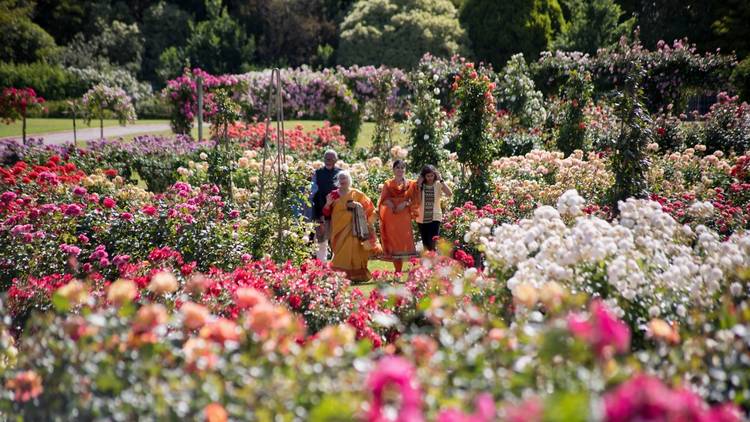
{"x":121,"y":292}
{"x":662,"y":330}
{"x":194,"y":316}
{"x":163,"y":282}
{"x":215,"y":413}
{"x":74,"y":292}
{"x":221,"y":331}
{"x":199,"y":355}
{"x":26,"y":385}
{"x":148,"y":318}
{"x":248,"y":297}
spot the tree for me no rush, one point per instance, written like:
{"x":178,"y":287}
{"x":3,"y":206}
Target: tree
{"x":164,"y":25}
{"x":398,"y":32}
{"x":731,"y":27}
{"x":21,"y":40}
{"x":499,"y":29}
{"x":116,"y":43}
{"x":219,"y":45}
{"x":102,"y":99}
{"x":15,"y":104}
{"x":288,"y":32}
{"x":593,"y":24}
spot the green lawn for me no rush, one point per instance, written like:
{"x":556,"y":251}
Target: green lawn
{"x":37,"y":126}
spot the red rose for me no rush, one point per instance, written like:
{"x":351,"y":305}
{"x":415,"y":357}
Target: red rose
{"x":109,"y":203}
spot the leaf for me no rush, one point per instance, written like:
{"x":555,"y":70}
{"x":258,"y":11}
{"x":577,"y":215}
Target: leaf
{"x":61,"y":303}
{"x":568,"y":407}
{"x":333,"y":409}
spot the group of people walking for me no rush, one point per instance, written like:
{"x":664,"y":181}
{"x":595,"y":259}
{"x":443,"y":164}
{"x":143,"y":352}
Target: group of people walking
{"x":345,"y":217}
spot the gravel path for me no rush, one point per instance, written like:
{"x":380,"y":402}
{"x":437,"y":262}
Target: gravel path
{"x":88,"y":134}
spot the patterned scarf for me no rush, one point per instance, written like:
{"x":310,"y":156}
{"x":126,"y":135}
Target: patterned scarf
{"x":359,"y":222}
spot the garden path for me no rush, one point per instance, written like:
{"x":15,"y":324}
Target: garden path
{"x":88,"y":134}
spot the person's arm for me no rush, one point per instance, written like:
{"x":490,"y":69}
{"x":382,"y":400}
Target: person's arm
{"x":328,"y":207}
{"x":385,"y":197}
{"x":446,"y":190}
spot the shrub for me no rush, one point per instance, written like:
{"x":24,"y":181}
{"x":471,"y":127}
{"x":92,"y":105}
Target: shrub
{"x":500,"y":29}
{"x":50,"y":81}
{"x":628,"y":162}
{"x":427,"y":123}
{"x":593,"y":24}
{"x":576,"y":95}
{"x":741,"y":79}
{"x":516,"y":93}
{"x":727,"y":125}
{"x":474,"y":145}
{"x":398,"y":32}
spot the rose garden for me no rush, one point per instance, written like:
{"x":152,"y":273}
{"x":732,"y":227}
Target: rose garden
{"x":593,"y":264}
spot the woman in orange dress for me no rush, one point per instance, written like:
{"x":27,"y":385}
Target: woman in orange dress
{"x":353,"y":237}
{"x":395,"y":218}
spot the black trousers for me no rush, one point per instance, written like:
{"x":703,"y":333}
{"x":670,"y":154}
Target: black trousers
{"x":428,"y":232}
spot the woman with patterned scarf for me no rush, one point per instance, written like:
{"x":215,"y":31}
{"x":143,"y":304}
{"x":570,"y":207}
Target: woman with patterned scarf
{"x":353,"y":237}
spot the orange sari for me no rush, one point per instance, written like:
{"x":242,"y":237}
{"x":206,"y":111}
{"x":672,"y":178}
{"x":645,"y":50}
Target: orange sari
{"x":395,"y":227}
{"x":350,"y":254}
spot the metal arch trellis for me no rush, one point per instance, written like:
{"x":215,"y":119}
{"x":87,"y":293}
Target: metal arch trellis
{"x":278,"y":164}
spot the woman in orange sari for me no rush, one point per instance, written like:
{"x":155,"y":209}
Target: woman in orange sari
{"x":395,"y":218}
{"x":352,"y":233}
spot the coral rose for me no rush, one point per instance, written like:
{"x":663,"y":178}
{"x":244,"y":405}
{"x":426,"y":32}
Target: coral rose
{"x":215,"y":413}
{"x":163,"y":282}
{"x":194,"y":316}
{"x":26,"y":385}
{"x":121,"y":292}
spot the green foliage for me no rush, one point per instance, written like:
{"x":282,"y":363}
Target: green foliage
{"x":50,"y":82}
{"x":517,"y":94}
{"x":427,"y":126}
{"x":291,"y":32}
{"x":171,"y":64}
{"x":474,"y":145}
{"x":221,"y":158}
{"x":114,"y":43}
{"x":499,"y":29}
{"x":593,"y":24}
{"x":398,"y":32}
{"x":741,"y":79}
{"x":219,"y":45}
{"x":346,"y":113}
{"x":576,"y":95}
{"x":164,"y":25}
{"x":629,"y":163}
{"x":21,"y":40}
{"x":383,"y":114}
{"x":731,"y":27}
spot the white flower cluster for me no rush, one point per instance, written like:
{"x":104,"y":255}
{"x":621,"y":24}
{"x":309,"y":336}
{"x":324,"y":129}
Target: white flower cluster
{"x":646,"y":257}
{"x":701,"y":209}
{"x":570,"y":204}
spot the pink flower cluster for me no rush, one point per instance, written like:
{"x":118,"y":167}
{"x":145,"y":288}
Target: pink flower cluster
{"x":645,"y":398}
{"x":601,"y":330}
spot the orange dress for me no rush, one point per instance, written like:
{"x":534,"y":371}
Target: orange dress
{"x":395,"y":228}
{"x":350,"y":254}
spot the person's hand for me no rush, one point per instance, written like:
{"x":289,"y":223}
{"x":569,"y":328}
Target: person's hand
{"x":400,"y":207}
{"x":351,"y":204}
{"x":420,"y":179}
{"x":329,"y":199}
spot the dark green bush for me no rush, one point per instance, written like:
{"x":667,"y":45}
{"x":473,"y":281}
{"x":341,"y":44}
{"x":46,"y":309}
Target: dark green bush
{"x":741,"y":79}
{"x":49,"y":81}
{"x":499,"y":29}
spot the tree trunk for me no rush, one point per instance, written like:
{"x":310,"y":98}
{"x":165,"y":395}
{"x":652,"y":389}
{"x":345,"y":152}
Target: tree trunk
{"x":101,"y":128}
{"x":24,"y":129}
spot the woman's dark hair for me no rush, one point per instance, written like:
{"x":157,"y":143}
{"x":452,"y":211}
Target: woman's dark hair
{"x":399,"y":162}
{"x":427,"y":170}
